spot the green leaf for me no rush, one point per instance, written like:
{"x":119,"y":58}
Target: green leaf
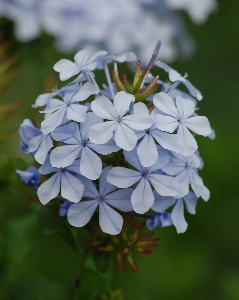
{"x":101,"y":260}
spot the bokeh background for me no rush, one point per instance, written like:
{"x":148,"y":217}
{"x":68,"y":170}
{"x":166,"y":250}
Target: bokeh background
{"x":202,"y":263}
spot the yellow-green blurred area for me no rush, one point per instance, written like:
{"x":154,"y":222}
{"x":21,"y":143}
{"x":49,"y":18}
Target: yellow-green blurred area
{"x":202,"y":263}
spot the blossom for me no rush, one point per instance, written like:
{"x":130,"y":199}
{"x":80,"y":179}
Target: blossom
{"x":111,"y":222}
{"x":177,"y":214}
{"x":56,"y":109}
{"x":82,"y":63}
{"x":142,"y":197}
{"x":119,"y":124}
{"x":185,"y":170}
{"x":81,"y":157}
{"x":29,"y":177}
{"x":71,"y":187}
{"x":78,"y":145}
{"x":147,"y":148}
{"x":180,"y":116}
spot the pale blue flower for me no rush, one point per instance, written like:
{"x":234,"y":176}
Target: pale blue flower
{"x":142,"y":198}
{"x":184,"y":168}
{"x":79,"y":146}
{"x":56,"y":109}
{"x":64,"y":179}
{"x":147,"y":149}
{"x":120,"y":125}
{"x":110,"y":221}
{"x":179,"y":116}
{"x":177,"y":214}
{"x":30,"y":177}
{"x":68,"y":69}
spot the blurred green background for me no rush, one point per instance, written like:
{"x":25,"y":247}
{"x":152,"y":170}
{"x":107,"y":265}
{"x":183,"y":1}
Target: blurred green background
{"x":202,"y":263}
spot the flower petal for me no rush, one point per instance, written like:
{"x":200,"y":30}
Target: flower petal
{"x":166,"y":123}
{"x":91,"y":119}
{"x":105,"y":187}
{"x":161,"y":203}
{"x":162,"y":161}
{"x":53,"y":121}
{"x":192,"y":90}
{"x":102,"y":133}
{"x":198,"y":124}
{"x":147,"y":151}
{"x":79,"y":214}
{"x":107,"y":148}
{"x":84,"y":92}
{"x":64,"y":156}
{"x":166,"y":104}
{"x":49,"y":189}
{"x":71,"y":187}
{"x":177,"y":216}
{"x":189,"y":142}
{"x":103,"y":108}
{"x":82,"y":56}
{"x":76,"y":112}
{"x":174,"y":167}
{"x":63,"y":132}
{"x":120,"y":199}
{"x":142,"y":197}
{"x":191,"y":201}
{"x":133,"y":159}
{"x":111,"y":222}
{"x":184,"y":181}
{"x":164,"y":185}
{"x":44,"y":147}
{"x":138,"y":121}
{"x":122,"y":101}
{"x":90,"y":164}
{"x":123,"y":177}
{"x":125,"y":137}
{"x":185,"y":107}
{"x":90,"y":190}
{"x":66,"y":68}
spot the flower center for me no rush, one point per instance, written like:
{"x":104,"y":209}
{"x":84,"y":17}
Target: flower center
{"x":83,"y":143}
{"x":145,"y":174}
{"x":100,"y":198}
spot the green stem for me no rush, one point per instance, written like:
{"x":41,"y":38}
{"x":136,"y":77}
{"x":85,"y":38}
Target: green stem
{"x":78,"y":281}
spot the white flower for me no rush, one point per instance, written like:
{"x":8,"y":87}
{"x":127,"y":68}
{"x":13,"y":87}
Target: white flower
{"x":120,"y":125}
{"x":180,"y":116}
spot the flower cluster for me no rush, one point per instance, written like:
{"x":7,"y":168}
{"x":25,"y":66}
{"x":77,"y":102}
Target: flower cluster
{"x":128,"y":147}
{"x":74,"y":23}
